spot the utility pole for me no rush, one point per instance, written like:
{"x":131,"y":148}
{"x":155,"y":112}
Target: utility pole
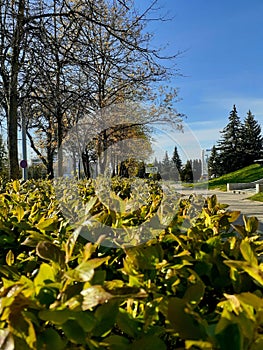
{"x":203,"y":161}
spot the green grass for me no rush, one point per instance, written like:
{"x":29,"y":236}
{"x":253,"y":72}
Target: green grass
{"x":257,"y":197}
{"x":249,"y":174}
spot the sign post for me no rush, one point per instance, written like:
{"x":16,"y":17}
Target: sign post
{"x":151,"y":170}
{"x":23,"y":163}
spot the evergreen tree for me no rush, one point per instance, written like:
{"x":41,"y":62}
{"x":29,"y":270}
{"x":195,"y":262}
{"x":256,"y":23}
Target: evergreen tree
{"x":156,"y":162}
{"x":166,"y":160}
{"x":252,"y":140}
{"x":187,"y":172}
{"x":214,"y":165}
{"x":166,"y":167}
{"x":196,"y":168}
{"x":177,"y":164}
{"x":230,"y":145}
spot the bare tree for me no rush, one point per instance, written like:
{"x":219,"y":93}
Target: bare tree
{"x":55,"y":91}
{"x":12,"y":41}
{"x":60,"y":54}
{"x":120,"y":67}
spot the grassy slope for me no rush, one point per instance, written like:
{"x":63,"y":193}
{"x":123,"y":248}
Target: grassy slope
{"x":249,"y":174}
{"x":257,"y":197}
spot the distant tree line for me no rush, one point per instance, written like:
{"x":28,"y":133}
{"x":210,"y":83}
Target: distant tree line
{"x":174,"y":169}
{"x":168,"y":168}
{"x":241,"y":144}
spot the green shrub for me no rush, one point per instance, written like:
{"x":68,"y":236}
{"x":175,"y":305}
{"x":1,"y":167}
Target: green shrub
{"x":197,"y":285}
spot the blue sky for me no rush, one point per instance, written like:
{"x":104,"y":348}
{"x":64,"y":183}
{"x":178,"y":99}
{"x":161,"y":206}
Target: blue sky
{"x":221,"y":63}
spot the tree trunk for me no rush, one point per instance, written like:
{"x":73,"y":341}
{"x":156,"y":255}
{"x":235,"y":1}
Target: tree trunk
{"x":12,"y":137}
{"x":60,"y":139}
{"x":86,"y":164}
{"x":13,"y":95}
{"x":50,"y":164}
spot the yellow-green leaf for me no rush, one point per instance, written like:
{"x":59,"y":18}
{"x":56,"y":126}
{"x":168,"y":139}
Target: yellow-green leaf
{"x":233,"y":302}
{"x":93,"y":263}
{"x":10,"y":258}
{"x":89,"y":249}
{"x":46,"y":274}
{"x":16,"y":185}
{"x":20,"y":213}
{"x":254,"y":271}
{"x":233,"y":215}
{"x":251,"y":299}
{"x":84,"y":272}
{"x":251,"y":224}
{"x":69,"y":246}
{"x":192,"y":344}
{"x":49,"y":224}
{"x":248,"y":253}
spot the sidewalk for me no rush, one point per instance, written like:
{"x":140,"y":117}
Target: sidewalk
{"x":240,"y":202}
{"x":235,"y":201}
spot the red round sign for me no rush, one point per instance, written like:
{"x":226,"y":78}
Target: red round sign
{"x":23,"y":163}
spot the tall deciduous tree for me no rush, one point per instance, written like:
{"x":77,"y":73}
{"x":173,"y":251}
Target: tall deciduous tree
{"x":84,"y":63}
{"x":21,"y":24}
{"x":54,"y":100}
{"x":12,"y":42}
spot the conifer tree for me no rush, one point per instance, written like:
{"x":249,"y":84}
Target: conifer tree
{"x":230,"y":145}
{"x":156,"y":162}
{"x":252,"y":140}
{"x":178,"y":164}
{"x":214,"y":165}
{"x":166,"y":167}
{"x":197,"y":168}
{"x":187,"y":172}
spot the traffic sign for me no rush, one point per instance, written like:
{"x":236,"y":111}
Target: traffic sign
{"x":23,"y":164}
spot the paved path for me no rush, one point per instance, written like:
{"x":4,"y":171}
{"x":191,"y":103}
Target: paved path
{"x":236,"y":201}
{"x":240,"y":202}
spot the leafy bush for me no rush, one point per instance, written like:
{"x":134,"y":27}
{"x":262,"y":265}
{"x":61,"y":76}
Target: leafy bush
{"x":197,"y":285}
